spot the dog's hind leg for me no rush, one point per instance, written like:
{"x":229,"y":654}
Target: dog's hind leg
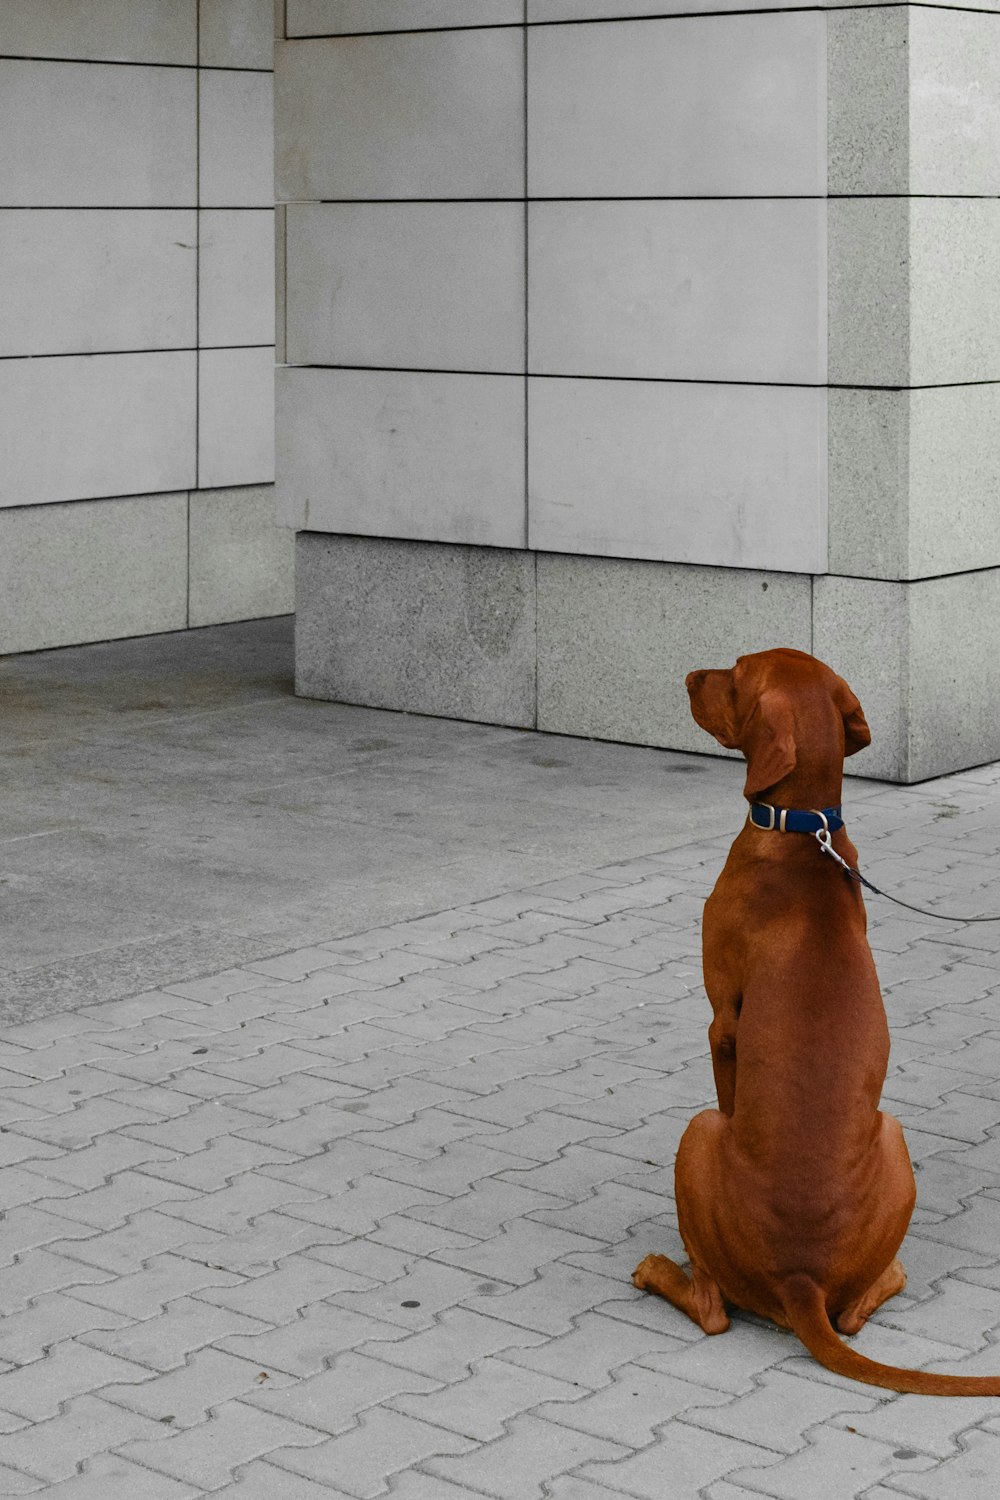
{"x":891,"y":1281}
{"x":697,"y":1295}
{"x":897,"y":1194}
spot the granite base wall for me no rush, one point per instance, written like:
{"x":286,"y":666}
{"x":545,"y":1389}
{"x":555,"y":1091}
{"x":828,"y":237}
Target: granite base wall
{"x":600,"y":646}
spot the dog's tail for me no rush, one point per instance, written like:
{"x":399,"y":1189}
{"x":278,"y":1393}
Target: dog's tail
{"x":808,"y":1318}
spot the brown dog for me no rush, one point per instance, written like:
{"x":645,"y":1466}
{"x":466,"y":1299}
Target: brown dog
{"x":793,"y":1197}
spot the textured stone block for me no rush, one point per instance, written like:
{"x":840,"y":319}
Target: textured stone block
{"x":78,"y":281}
{"x":242,"y":563}
{"x":236,"y":276}
{"x":869,"y":305}
{"x":236,"y":139}
{"x":280,"y":298}
{"x":717,"y":106}
{"x":955,"y":100}
{"x":425,"y":628}
{"x":436,"y":286}
{"x":107,"y":30}
{"x":868,"y":109}
{"x":236,"y":33}
{"x":78,"y":427}
{"x":875,"y":661}
{"x":913,"y":288}
{"x":346,"y":17}
{"x":954,"y":479}
{"x":914,"y":101}
{"x":954,"y":290}
{"x":616,"y":639}
{"x":925,"y":667}
{"x":92,"y":571}
{"x":432,"y":115}
{"x":733,"y":475}
{"x":599,"y":10}
{"x":691,"y":290}
{"x":235,"y":417}
{"x":84,"y":134}
{"x":913,"y":481}
{"x":400,"y":453}
{"x":868,"y":494}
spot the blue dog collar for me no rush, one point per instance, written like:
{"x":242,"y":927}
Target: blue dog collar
{"x":795,"y":819}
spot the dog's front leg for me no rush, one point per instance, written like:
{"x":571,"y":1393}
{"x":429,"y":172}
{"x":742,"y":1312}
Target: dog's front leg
{"x":721,"y":947}
{"x":722,"y":1040}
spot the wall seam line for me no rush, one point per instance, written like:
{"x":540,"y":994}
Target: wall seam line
{"x":527,"y":366}
{"x":197,"y":277}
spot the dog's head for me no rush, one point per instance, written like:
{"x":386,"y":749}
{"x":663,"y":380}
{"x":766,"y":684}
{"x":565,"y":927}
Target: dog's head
{"x":781,"y":708}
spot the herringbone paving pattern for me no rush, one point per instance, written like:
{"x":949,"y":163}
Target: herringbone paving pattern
{"x":360,"y":1219}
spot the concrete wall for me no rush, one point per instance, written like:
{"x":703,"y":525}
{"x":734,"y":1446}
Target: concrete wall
{"x":620,"y":342}
{"x":137,"y":342}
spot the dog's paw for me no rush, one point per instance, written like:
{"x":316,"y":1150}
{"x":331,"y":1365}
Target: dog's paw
{"x":649,"y":1272}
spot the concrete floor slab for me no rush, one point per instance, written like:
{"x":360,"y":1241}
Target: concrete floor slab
{"x":171,"y":808}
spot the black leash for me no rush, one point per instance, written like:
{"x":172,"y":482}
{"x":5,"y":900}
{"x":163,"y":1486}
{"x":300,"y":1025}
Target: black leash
{"x":821,"y":823}
{"x":822,"y":837}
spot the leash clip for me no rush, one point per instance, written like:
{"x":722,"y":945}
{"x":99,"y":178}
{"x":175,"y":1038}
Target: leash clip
{"x":824,"y":839}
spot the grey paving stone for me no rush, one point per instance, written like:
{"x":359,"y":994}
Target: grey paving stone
{"x":459,"y":1166}
{"x":44,"y":1270}
{"x":360,"y":1208}
{"x":415,"y":1299}
{"x":961,"y":1313}
{"x":146,"y":1292}
{"x":333,"y":1399}
{"x":52,"y":1319}
{"x":594,"y":1348}
{"x":529,"y":1454}
{"x":634,"y":1407}
{"x":165,"y":1341}
{"x":257,"y":1249}
{"x":405,"y":1234}
{"x":109,"y":1477}
{"x":833,"y":1464}
{"x":518,"y":1253}
{"x":485,"y":1209}
{"x":550,"y":1304}
{"x":365,"y":1458}
{"x":482,"y":1405}
{"x":262,"y":1480}
{"x":612,"y":1209}
{"x":184,"y":1397}
{"x":782,"y":1409}
{"x":53,"y":1450}
{"x":448,"y":1351}
{"x":318,"y":1334}
{"x":750,"y":1349}
{"x":297,"y":1282}
{"x":37,"y":1390}
{"x":946,"y":1182}
{"x":207,"y":1454}
{"x":972,"y":1474}
{"x":937,"y":1425}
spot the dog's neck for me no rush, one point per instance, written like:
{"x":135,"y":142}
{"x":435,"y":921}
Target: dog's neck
{"x":805,"y":787}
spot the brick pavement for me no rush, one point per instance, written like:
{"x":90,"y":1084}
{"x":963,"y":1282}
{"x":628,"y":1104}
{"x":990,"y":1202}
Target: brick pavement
{"x":359,"y":1220}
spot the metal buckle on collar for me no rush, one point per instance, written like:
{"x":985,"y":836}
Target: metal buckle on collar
{"x":794,"y":819}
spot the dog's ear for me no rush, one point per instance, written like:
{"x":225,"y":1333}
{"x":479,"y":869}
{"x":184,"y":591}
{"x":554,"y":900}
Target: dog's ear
{"x":768,"y":743}
{"x":857,"y":735}
{"x":713,"y":704}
